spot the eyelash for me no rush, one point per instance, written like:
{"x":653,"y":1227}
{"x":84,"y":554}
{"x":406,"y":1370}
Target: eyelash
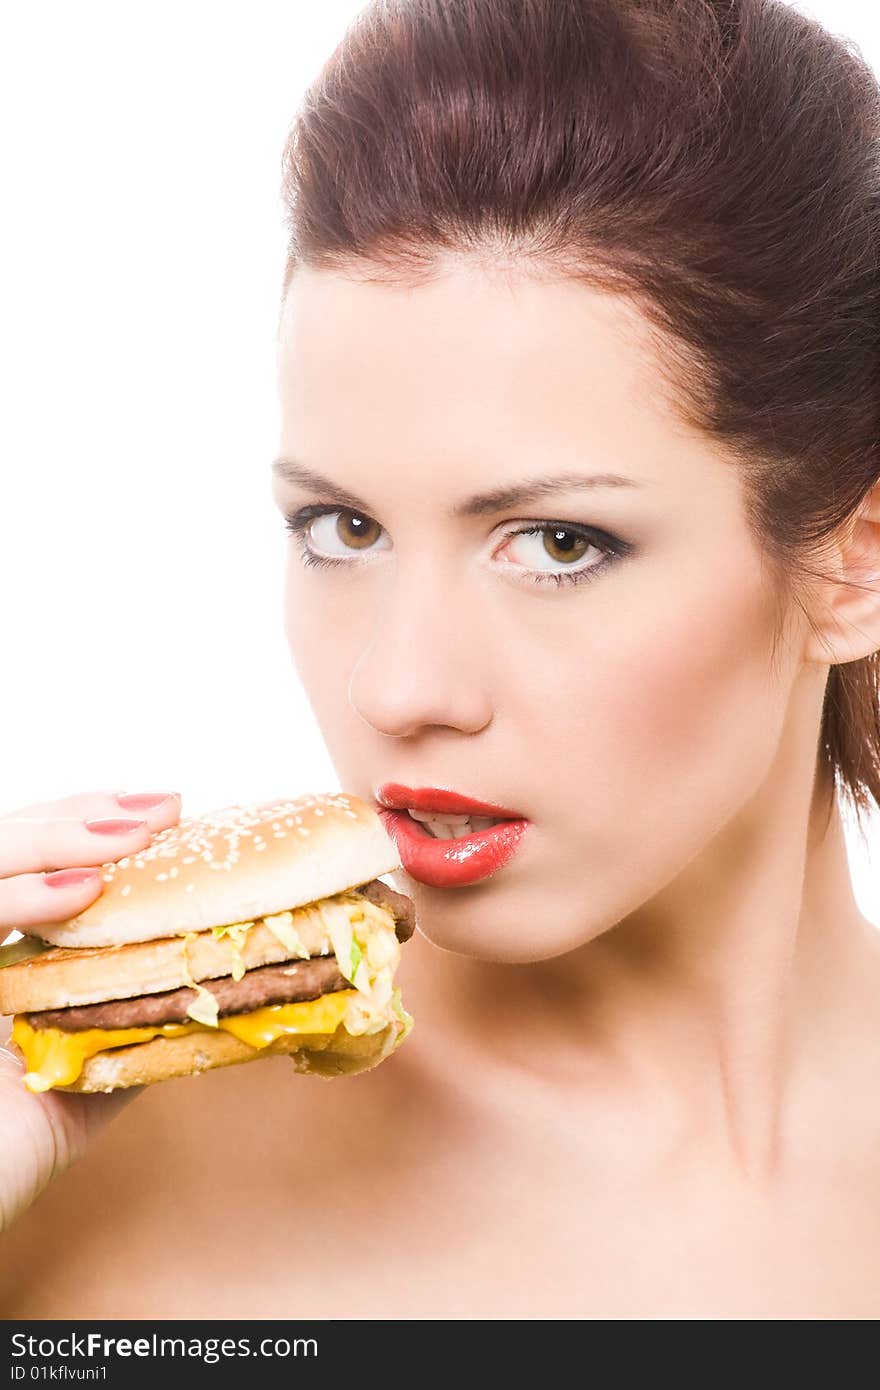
{"x":612,"y":548}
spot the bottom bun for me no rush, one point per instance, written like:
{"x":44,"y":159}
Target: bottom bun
{"x":162,"y":1059}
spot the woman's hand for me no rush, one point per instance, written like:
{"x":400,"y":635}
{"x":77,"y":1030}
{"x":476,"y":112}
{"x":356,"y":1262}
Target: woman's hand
{"x":42,"y":1134}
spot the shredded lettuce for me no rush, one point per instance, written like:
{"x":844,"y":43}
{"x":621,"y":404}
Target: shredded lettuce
{"x":281,"y":926}
{"x":367,"y":959}
{"x":356,"y":958}
{"x":204,"y":1007}
{"x":397,"y":1006}
{"x":383,"y":948}
{"x":22,"y":949}
{"x":381,"y":989}
{"x":237,"y":933}
{"x":361,"y":1016}
{"x":339,"y":929}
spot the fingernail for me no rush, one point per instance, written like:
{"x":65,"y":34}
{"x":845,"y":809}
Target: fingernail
{"x":69,"y":878}
{"x":113,"y":827}
{"x":144,"y":801}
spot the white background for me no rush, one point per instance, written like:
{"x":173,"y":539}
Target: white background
{"x":141,"y":252}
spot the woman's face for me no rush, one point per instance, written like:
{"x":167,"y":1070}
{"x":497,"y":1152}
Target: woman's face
{"x":629,"y":715}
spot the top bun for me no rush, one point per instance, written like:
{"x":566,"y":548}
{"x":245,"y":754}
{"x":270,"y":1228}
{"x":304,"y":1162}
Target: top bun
{"x":233,"y":865}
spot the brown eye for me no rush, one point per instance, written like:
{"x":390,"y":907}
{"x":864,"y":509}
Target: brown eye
{"x":355,"y":531}
{"x":564,"y":545}
{"x":531,"y":548}
{"x":333,"y":535}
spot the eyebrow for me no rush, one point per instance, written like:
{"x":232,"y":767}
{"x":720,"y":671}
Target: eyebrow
{"x":480,"y":504}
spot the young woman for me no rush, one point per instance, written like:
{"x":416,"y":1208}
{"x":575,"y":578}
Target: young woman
{"x":579,"y":374}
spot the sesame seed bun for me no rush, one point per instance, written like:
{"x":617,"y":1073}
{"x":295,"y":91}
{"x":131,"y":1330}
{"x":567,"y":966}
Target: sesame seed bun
{"x":232,"y":865}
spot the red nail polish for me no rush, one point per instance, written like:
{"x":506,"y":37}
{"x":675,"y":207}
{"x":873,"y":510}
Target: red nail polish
{"x":113,"y":827}
{"x":144,"y":801}
{"x":69,"y":878}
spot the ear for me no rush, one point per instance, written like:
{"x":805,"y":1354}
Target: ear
{"x":848,"y":627}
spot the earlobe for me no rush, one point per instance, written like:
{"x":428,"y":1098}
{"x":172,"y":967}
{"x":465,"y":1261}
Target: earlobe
{"x":847,"y":627}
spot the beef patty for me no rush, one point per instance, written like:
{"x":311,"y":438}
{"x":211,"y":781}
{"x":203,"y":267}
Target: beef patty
{"x":399,"y":905}
{"x":287,"y":983}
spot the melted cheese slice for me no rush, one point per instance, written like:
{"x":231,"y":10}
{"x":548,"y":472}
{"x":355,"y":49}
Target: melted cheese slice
{"x":55,"y":1058}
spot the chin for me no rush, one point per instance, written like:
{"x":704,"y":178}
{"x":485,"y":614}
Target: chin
{"x":481,"y":935}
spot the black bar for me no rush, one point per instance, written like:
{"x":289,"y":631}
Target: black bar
{"x":267,"y":1353}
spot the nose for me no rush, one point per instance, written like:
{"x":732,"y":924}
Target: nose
{"x":422,"y":668}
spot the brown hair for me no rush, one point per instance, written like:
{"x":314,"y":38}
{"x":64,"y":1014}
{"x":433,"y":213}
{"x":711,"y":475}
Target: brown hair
{"x":717,"y":161}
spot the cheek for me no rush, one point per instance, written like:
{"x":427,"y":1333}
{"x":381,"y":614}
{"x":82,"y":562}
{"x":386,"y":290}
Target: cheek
{"x":318,"y":635}
{"x":669,"y":715}
{"x":694,"y":695}
{"x":325,"y":631}
{"x":300,"y":625}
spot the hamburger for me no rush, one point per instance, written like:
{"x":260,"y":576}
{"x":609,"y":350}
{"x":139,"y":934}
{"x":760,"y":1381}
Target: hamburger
{"x":238,"y":934}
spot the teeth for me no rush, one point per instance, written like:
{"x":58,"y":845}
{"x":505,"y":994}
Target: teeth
{"x":448,"y":827}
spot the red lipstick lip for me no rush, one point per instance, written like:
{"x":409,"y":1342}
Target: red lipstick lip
{"x":452,"y":863}
{"x":393,"y":796}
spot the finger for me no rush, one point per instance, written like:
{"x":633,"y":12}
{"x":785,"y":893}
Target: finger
{"x":84,"y":804}
{"x":28,"y":844}
{"x":27,"y":900}
{"x":31,"y":848}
